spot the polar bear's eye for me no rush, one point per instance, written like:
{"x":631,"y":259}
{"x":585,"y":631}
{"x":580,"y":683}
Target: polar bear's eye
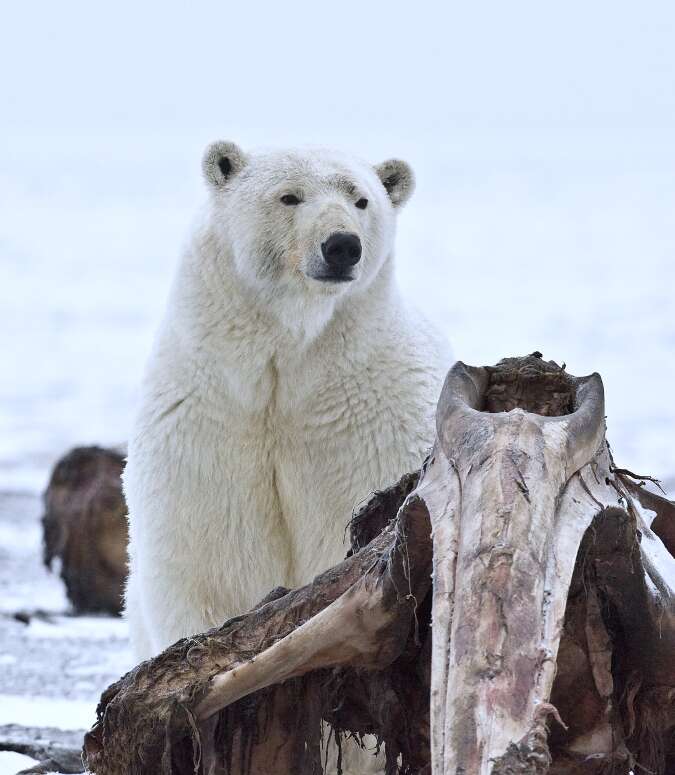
{"x":362,"y":203}
{"x":290,"y":199}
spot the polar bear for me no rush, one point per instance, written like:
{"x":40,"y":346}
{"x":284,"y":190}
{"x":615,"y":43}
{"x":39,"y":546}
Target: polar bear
{"x":288,"y":381}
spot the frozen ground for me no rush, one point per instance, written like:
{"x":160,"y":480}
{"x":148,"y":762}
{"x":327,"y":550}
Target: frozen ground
{"x":11,"y":762}
{"x":53,"y":667}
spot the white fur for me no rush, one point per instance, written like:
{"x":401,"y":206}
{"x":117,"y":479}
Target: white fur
{"x":273,"y":402}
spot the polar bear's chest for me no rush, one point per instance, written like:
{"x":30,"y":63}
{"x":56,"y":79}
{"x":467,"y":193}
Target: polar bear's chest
{"x":330,"y":452}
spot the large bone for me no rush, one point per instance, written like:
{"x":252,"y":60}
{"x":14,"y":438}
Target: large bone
{"x":519,"y":471}
{"x":505,"y":544}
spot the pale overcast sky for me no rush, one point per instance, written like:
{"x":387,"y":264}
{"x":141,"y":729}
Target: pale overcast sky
{"x":312,"y":70}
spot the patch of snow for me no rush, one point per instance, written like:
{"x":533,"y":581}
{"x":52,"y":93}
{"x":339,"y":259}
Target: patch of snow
{"x":90,"y":627}
{"x":25,"y":584}
{"x":47,"y":712}
{"x":54,"y":658}
{"x":11,"y":763}
{"x":19,"y":539}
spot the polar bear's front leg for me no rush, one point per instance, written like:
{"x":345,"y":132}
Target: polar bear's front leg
{"x":141,"y":643}
{"x":164,"y":607}
{"x":207,"y":537}
{"x":180,"y":620}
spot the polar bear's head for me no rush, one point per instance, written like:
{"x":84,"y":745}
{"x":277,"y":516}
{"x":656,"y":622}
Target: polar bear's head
{"x":311,"y":223}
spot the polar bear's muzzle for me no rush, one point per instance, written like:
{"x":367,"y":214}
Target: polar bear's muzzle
{"x":341,"y":252}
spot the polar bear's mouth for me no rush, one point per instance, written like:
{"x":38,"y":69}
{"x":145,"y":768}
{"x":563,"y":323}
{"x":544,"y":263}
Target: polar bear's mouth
{"x":334,"y":277}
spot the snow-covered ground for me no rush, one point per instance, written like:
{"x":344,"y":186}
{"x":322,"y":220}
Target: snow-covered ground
{"x":11,"y":762}
{"x":53,"y":667}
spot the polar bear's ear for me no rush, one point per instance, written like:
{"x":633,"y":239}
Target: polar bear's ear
{"x":222,"y":160}
{"x":398,"y":180}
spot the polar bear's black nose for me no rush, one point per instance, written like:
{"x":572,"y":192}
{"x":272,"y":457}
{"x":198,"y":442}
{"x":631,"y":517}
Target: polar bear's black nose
{"x":342,"y":250}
